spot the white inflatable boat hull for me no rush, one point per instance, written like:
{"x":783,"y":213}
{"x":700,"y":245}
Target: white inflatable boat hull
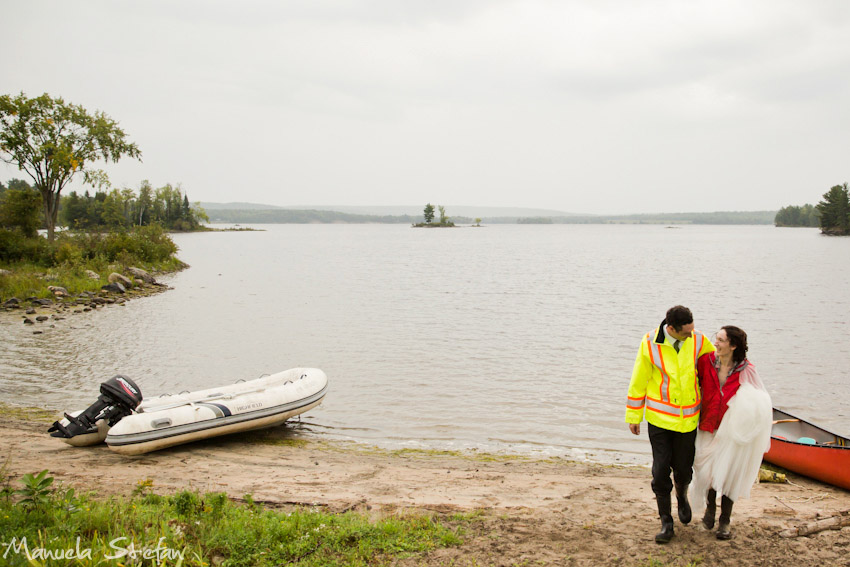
{"x":86,"y":439}
{"x":173,"y":420}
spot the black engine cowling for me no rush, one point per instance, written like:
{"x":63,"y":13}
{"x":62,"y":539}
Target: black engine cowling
{"x":119,"y":396}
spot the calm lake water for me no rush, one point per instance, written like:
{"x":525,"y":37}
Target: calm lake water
{"x":509,"y":338}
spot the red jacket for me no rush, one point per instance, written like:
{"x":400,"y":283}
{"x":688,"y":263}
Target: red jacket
{"x":715,"y":401}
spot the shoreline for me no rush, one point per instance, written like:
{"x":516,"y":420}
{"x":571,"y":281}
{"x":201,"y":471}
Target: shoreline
{"x":41,"y":313}
{"x":550,"y":511}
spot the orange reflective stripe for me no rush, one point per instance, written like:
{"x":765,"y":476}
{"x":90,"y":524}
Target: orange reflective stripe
{"x":635,"y":403}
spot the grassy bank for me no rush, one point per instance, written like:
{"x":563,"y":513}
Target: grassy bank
{"x":34,"y":264}
{"x":42,"y":522}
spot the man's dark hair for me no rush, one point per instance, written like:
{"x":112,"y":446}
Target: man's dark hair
{"x":678,"y":317}
{"x":738,"y":339}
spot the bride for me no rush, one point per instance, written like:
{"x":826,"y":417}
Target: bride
{"x":734,"y":431}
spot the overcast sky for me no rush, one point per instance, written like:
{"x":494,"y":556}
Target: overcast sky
{"x":587,"y":106}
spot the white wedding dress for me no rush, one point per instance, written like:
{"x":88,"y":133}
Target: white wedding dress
{"x":728,"y":460}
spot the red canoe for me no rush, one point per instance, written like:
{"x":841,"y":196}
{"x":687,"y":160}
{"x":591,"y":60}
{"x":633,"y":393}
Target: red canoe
{"x":809,"y":450}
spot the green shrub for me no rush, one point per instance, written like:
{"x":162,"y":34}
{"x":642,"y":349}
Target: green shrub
{"x":15,"y":247}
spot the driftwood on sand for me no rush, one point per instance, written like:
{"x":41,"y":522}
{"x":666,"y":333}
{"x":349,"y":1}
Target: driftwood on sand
{"x":832,"y":523}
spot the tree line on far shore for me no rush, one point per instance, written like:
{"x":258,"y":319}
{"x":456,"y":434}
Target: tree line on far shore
{"x":21,"y":207}
{"x":831,"y":214}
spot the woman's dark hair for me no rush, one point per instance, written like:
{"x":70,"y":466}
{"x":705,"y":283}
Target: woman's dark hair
{"x":678,"y":317}
{"x":738,"y":339}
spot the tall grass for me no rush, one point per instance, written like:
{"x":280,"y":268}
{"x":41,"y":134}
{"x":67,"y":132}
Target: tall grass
{"x":188,"y":528}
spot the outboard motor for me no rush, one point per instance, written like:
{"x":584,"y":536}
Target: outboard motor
{"x":119,"y":396}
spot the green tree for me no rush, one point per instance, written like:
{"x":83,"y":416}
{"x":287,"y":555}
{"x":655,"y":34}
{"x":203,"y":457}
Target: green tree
{"x":74,"y":210}
{"x":429,"y":213}
{"x":144,"y":204}
{"x":20,"y":208}
{"x":112,"y":214}
{"x":443,"y":218}
{"x":807,"y":215}
{"x":835,"y":210}
{"x":52,"y":141}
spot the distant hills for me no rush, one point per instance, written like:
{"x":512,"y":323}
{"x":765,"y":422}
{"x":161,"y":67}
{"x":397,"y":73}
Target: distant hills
{"x":254,"y":213}
{"x":398,"y":210}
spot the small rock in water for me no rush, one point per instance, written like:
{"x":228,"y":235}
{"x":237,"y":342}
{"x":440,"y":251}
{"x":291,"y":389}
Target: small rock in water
{"x":28,"y":321}
{"x":42,"y":318}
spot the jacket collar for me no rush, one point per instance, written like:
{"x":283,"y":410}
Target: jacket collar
{"x":659,"y":335}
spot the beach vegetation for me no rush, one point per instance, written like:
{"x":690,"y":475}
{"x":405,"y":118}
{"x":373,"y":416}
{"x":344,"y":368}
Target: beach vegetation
{"x":193,"y":529}
{"x":53,"y":141}
{"x":32,"y":265}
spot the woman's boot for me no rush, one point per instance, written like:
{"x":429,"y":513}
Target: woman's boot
{"x":723,"y":529}
{"x":710,"y":509}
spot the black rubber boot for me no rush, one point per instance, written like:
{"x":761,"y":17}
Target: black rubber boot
{"x":710,"y":509}
{"x":684,"y":507}
{"x":723,"y":529}
{"x":666,"y":533}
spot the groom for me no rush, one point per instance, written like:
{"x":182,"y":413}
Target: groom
{"x":664,"y":385}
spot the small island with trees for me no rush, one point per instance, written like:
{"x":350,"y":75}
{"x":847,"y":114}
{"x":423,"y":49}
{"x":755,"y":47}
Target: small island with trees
{"x":428,"y":215}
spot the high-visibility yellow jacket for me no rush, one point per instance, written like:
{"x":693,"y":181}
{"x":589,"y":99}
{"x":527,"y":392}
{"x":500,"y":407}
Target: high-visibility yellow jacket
{"x":664,"y":383}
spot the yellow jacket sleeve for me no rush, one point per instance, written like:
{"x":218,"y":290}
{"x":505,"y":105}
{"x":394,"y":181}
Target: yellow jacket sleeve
{"x":641,"y":373}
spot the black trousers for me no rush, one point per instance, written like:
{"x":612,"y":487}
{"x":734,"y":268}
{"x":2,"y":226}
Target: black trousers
{"x":671,"y":450}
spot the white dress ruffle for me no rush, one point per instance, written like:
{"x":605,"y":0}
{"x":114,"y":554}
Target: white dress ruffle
{"x":728,"y":460}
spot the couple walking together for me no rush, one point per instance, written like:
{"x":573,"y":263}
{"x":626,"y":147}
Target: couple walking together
{"x":709,"y":419}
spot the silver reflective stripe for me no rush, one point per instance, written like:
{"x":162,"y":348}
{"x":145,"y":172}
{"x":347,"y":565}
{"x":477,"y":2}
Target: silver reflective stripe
{"x":690,"y":412}
{"x":672,"y":409}
{"x":655,"y":351}
{"x":697,"y":349}
{"x":635,"y":404}
{"x":652,"y":404}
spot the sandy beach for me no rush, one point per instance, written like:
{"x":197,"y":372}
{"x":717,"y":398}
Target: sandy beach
{"x":531,"y":512}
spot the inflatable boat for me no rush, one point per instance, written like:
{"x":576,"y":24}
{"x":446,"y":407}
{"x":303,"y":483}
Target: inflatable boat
{"x":131,"y":426}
